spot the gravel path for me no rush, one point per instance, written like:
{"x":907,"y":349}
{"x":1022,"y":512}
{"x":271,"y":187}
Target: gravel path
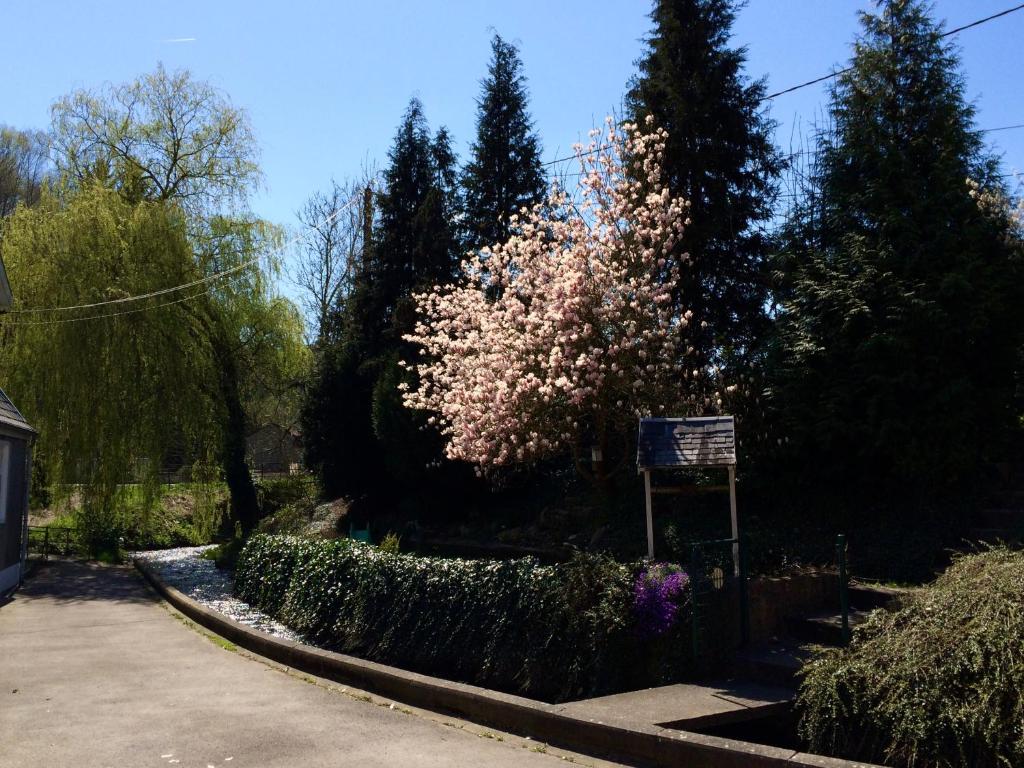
{"x":200,"y":579}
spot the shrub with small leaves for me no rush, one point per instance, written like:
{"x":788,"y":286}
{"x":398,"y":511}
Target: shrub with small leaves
{"x":552,"y":632}
{"x":936,"y":683}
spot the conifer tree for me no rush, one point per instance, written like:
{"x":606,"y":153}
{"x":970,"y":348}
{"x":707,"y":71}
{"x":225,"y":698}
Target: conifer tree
{"x":721,"y":158}
{"x":359,"y":437}
{"x":901,"y":316}
{"x":504,"y":173}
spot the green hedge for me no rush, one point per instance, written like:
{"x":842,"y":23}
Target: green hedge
{"x":549,"y":632}
{"x":938,"y":682}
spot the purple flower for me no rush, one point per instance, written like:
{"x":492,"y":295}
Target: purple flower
{"x":658,"y":593}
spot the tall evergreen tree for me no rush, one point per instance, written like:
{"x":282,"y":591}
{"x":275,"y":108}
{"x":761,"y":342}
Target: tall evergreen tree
{"x":504,"y":173}
{"x":358,"y":435}
{"x":721,"y":158}
{"x":902,"y":297}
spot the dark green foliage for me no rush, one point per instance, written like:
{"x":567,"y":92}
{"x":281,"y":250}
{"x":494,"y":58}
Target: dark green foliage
{"x":504,"y":173}
{"x":336,"y":425}
{"x":359,"y":437}
{"x":935,"y":683}
{"x":901,"y":294}
{"x":414,"y":241}
{"x":552,"y":632}
{"x":720,"y":157}
{"x":275,"y":493}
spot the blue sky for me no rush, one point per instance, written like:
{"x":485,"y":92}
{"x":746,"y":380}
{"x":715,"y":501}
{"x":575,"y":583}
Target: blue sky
{"x":325,"y":83}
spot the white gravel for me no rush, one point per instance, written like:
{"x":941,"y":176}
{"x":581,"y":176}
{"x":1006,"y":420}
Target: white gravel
{"x":201,"y":580}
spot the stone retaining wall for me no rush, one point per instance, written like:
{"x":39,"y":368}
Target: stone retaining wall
{"x":544,"y":722}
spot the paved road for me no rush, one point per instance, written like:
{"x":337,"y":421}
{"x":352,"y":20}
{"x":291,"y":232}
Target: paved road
{"x":95,"y":671}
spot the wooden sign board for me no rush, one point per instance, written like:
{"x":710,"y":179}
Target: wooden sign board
{"x":700,"y":441}
{"x":705,"y":441}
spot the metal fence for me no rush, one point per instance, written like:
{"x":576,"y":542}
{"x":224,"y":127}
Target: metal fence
{"x":49,"y":540}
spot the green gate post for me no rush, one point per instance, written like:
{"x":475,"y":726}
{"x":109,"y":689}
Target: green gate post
{"x":46,"y":543}
{"x":844,"y":598}
{"x":744,"y":593}
{"x":695,"y":613}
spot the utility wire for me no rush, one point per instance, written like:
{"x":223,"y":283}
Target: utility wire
{"x":838,"y":73}
{"x":140,"y":297}
{"x":60,"y":321}
{"x":1002,"y":128}
{"x":201,"y":281}
{"x":947,"y":33}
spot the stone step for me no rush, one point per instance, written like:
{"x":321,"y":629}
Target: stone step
{"x":825,"y":627}
{"x":867,"y":597}
{"x":773,"y":663}
{"x":685,"y":706}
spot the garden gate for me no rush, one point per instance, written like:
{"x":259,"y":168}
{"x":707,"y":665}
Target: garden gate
{"x":718,"y":599}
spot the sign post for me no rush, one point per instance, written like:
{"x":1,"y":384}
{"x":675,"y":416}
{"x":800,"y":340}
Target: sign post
{"x":679,"y":443}
{"x":650,"y":518}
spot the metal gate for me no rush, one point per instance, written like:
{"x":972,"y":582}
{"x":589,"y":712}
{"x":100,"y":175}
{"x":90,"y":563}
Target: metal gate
{"x":718,"y":576}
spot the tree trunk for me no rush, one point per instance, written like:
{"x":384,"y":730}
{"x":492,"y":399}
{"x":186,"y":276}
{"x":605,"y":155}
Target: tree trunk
{"x":244,"y":505}
{"x":236,"y":470}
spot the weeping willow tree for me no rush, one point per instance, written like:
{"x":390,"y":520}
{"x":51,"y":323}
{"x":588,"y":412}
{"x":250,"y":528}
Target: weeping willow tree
{"x":155,"y":177}
{"x":112,"y":387}
{"x":115,"y":388}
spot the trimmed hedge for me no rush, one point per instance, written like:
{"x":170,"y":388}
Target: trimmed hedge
{"x":938,"y":682}
{"x":550,"y":632}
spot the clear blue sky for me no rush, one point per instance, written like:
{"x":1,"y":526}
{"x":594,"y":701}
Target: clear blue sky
{"x":325,"y":83}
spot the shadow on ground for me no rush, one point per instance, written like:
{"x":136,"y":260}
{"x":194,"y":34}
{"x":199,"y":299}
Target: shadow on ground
{"x":72,"y":581}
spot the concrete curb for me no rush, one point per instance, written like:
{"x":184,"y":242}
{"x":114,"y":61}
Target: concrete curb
{"x":542,"y":722}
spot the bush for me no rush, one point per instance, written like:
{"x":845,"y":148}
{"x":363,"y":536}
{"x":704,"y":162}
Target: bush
{"x":551,"y":632}
{"x":935,"y":683}
{"x":275,"y":493}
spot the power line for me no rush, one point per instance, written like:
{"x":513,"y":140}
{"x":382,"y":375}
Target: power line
{"x":838,"y":73}
{"x":1002,"y":128}
{"x":843,"y":71}
{"x":173,"y":289}
{"x":140,"y":297}
{"x":1007,"y":12}
{"x":61,"y":321}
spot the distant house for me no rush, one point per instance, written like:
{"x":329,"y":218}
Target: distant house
{"x":16,"y":438}
{"x":273,"y":449}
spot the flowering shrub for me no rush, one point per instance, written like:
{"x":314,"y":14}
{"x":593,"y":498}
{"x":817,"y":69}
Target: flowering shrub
{"x":551,"y":632}
{"x":660,"y":590}
{"x":567,"y":329}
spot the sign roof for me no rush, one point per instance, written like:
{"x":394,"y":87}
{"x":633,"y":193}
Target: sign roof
{"x":700,"y":441}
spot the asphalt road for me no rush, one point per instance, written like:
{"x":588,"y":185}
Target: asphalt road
{"x":96,"y":671}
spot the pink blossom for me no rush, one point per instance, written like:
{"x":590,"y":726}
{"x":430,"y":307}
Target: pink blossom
{"x":585,"y":287}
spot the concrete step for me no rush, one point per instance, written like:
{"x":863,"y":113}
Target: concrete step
{"x":775,"y":663}
{"x":867,"y":597}
{"x":825,"y":627}
{"x":685,"y":706}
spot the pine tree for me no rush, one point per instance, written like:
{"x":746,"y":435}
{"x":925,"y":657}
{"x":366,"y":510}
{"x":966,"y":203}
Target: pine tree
{"x":504,"y":173}
{"x":901,"y":296}
{"x":358,"y":436}
{"x":721,"y":158}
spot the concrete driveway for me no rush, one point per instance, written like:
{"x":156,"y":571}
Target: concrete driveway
{"x":96,"y":671}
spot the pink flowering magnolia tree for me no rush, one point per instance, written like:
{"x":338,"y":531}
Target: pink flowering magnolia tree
{"x":559,"y":338}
